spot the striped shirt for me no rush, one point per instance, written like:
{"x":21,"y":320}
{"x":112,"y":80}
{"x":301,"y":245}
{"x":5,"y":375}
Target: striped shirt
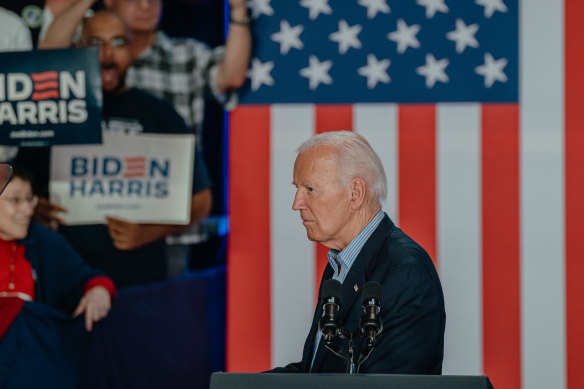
{"x":181,"y":71}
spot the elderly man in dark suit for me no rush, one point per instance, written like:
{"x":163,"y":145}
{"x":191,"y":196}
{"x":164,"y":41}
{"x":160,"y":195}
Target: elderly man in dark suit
{"x":340,"y":184}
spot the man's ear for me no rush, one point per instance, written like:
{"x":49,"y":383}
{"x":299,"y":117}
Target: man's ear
{"x":358,"y":192}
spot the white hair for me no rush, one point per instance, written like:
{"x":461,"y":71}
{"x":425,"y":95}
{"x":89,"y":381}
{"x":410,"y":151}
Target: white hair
{"x":356,"y":159}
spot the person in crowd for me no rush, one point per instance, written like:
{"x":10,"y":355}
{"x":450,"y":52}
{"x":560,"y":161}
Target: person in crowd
{"x":37,"y":264}
{"x":340,"y":183}
{"x":43,"y":282}
{"x":130,"y":253}
{"x":183,"y":71}
{"x":14,"y":35}
{"x":179,"y":70}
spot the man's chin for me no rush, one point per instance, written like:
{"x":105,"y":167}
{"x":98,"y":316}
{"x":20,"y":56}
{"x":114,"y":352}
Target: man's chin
{"x":311,"y":236}
{"x":114,"y":91}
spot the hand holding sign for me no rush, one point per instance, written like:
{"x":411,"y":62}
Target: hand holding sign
{"x":47,"y":213}
{"x":130,"y":236}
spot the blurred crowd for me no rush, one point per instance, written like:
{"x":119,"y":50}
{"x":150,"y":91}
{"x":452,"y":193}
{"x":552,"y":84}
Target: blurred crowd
{"x":158,"y":84}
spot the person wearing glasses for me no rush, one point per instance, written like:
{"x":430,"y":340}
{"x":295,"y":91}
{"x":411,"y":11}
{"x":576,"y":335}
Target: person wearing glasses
{"x":43,"y":282}
{"x":178,"y":70}
{"x":181,"y":71}
{"x":37,"y":264}
{"x":129,"y":253}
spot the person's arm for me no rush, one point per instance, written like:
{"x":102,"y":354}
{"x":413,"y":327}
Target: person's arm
{"x":232,"y":70}
{"x":96,"y":304}
{"x":129,"y":236}
{"x":61,"y":32}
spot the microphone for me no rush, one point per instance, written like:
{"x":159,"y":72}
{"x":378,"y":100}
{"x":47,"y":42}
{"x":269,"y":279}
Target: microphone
{"x":371,"y":324}
{"x":332,"y":292}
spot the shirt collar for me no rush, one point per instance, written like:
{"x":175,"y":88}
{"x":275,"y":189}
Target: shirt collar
{"x":163,"y":40}
{"x":347,"y":256}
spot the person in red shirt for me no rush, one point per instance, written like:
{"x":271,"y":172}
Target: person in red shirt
{"x":37,"y":264}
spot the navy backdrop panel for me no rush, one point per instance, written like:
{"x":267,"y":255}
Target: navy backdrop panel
{"x":165,"y":335}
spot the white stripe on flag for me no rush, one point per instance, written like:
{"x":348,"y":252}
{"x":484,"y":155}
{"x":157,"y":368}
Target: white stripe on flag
{"x":542,"y":199}
{"x":378,"y":124}
{"x":292,"y":272}
{"x":459,"y":233}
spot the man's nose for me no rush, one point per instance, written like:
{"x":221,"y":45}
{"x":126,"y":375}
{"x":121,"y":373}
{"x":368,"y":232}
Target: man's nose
{"x":105,"y":51}
{"x":298,"y":203}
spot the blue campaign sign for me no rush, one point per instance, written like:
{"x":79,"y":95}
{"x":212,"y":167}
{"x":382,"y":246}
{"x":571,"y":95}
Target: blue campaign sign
{"x":50,"y":97}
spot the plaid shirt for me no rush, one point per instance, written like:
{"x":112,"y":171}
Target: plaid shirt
{"x":181,"y":71}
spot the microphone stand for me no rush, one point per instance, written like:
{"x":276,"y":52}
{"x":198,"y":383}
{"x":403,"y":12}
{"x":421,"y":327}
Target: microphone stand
{"x":349,"y":355}
{"x":365,"y":353}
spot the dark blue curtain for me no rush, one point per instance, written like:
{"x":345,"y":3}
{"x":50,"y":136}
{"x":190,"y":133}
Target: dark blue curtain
{"x":164,"y":335}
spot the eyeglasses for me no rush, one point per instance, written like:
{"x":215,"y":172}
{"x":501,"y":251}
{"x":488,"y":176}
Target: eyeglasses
{"x":148,"y":2}
{"x":116,"y":42}
{"x":18,"y":202}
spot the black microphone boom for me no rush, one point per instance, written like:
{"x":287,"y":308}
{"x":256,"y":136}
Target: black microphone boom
{"x":332,"y":296}
{"x":371,"y":324}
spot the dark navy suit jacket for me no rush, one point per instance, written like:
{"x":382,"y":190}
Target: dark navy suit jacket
{"x":412,"y":340}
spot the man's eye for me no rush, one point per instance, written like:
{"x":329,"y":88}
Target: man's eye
{"x":310,"y":189}
{"x":119,"y":42}
{"x":94,"y":42}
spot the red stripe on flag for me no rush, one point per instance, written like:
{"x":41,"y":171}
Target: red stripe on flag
{"x":501,"y":262}
{"x":333,"y":118}
{"x":417,"y":173}
{"x":330,"y":118}
{"x":574,"y":191}
{"x":248,"y":330}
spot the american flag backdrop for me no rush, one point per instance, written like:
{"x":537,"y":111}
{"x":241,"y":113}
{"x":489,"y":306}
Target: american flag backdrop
{"x":476,"y":110}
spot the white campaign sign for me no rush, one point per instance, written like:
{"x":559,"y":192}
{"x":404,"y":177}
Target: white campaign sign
{"x":144,"y":178}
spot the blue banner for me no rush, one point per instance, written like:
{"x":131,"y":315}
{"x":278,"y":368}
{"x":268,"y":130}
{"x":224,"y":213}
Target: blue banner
{"x":50,"y":97}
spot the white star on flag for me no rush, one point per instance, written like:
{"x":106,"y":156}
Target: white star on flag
{"x":464,"y":35}
{"x":316,"y":7}
{"x":317,"y":72}
{"x":374,"y":6}
{"x":405,"y":36}
{"x":492,"y":70}
{"x":346,"y":36}
{"x":491,"y":6}
{"x":259,"y":7}
{"x":434,"y":70}
{"x":288,"y":37}
{"x":259,"y":73}
{"x":375,"y":71}
{"x":433,"y":6}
